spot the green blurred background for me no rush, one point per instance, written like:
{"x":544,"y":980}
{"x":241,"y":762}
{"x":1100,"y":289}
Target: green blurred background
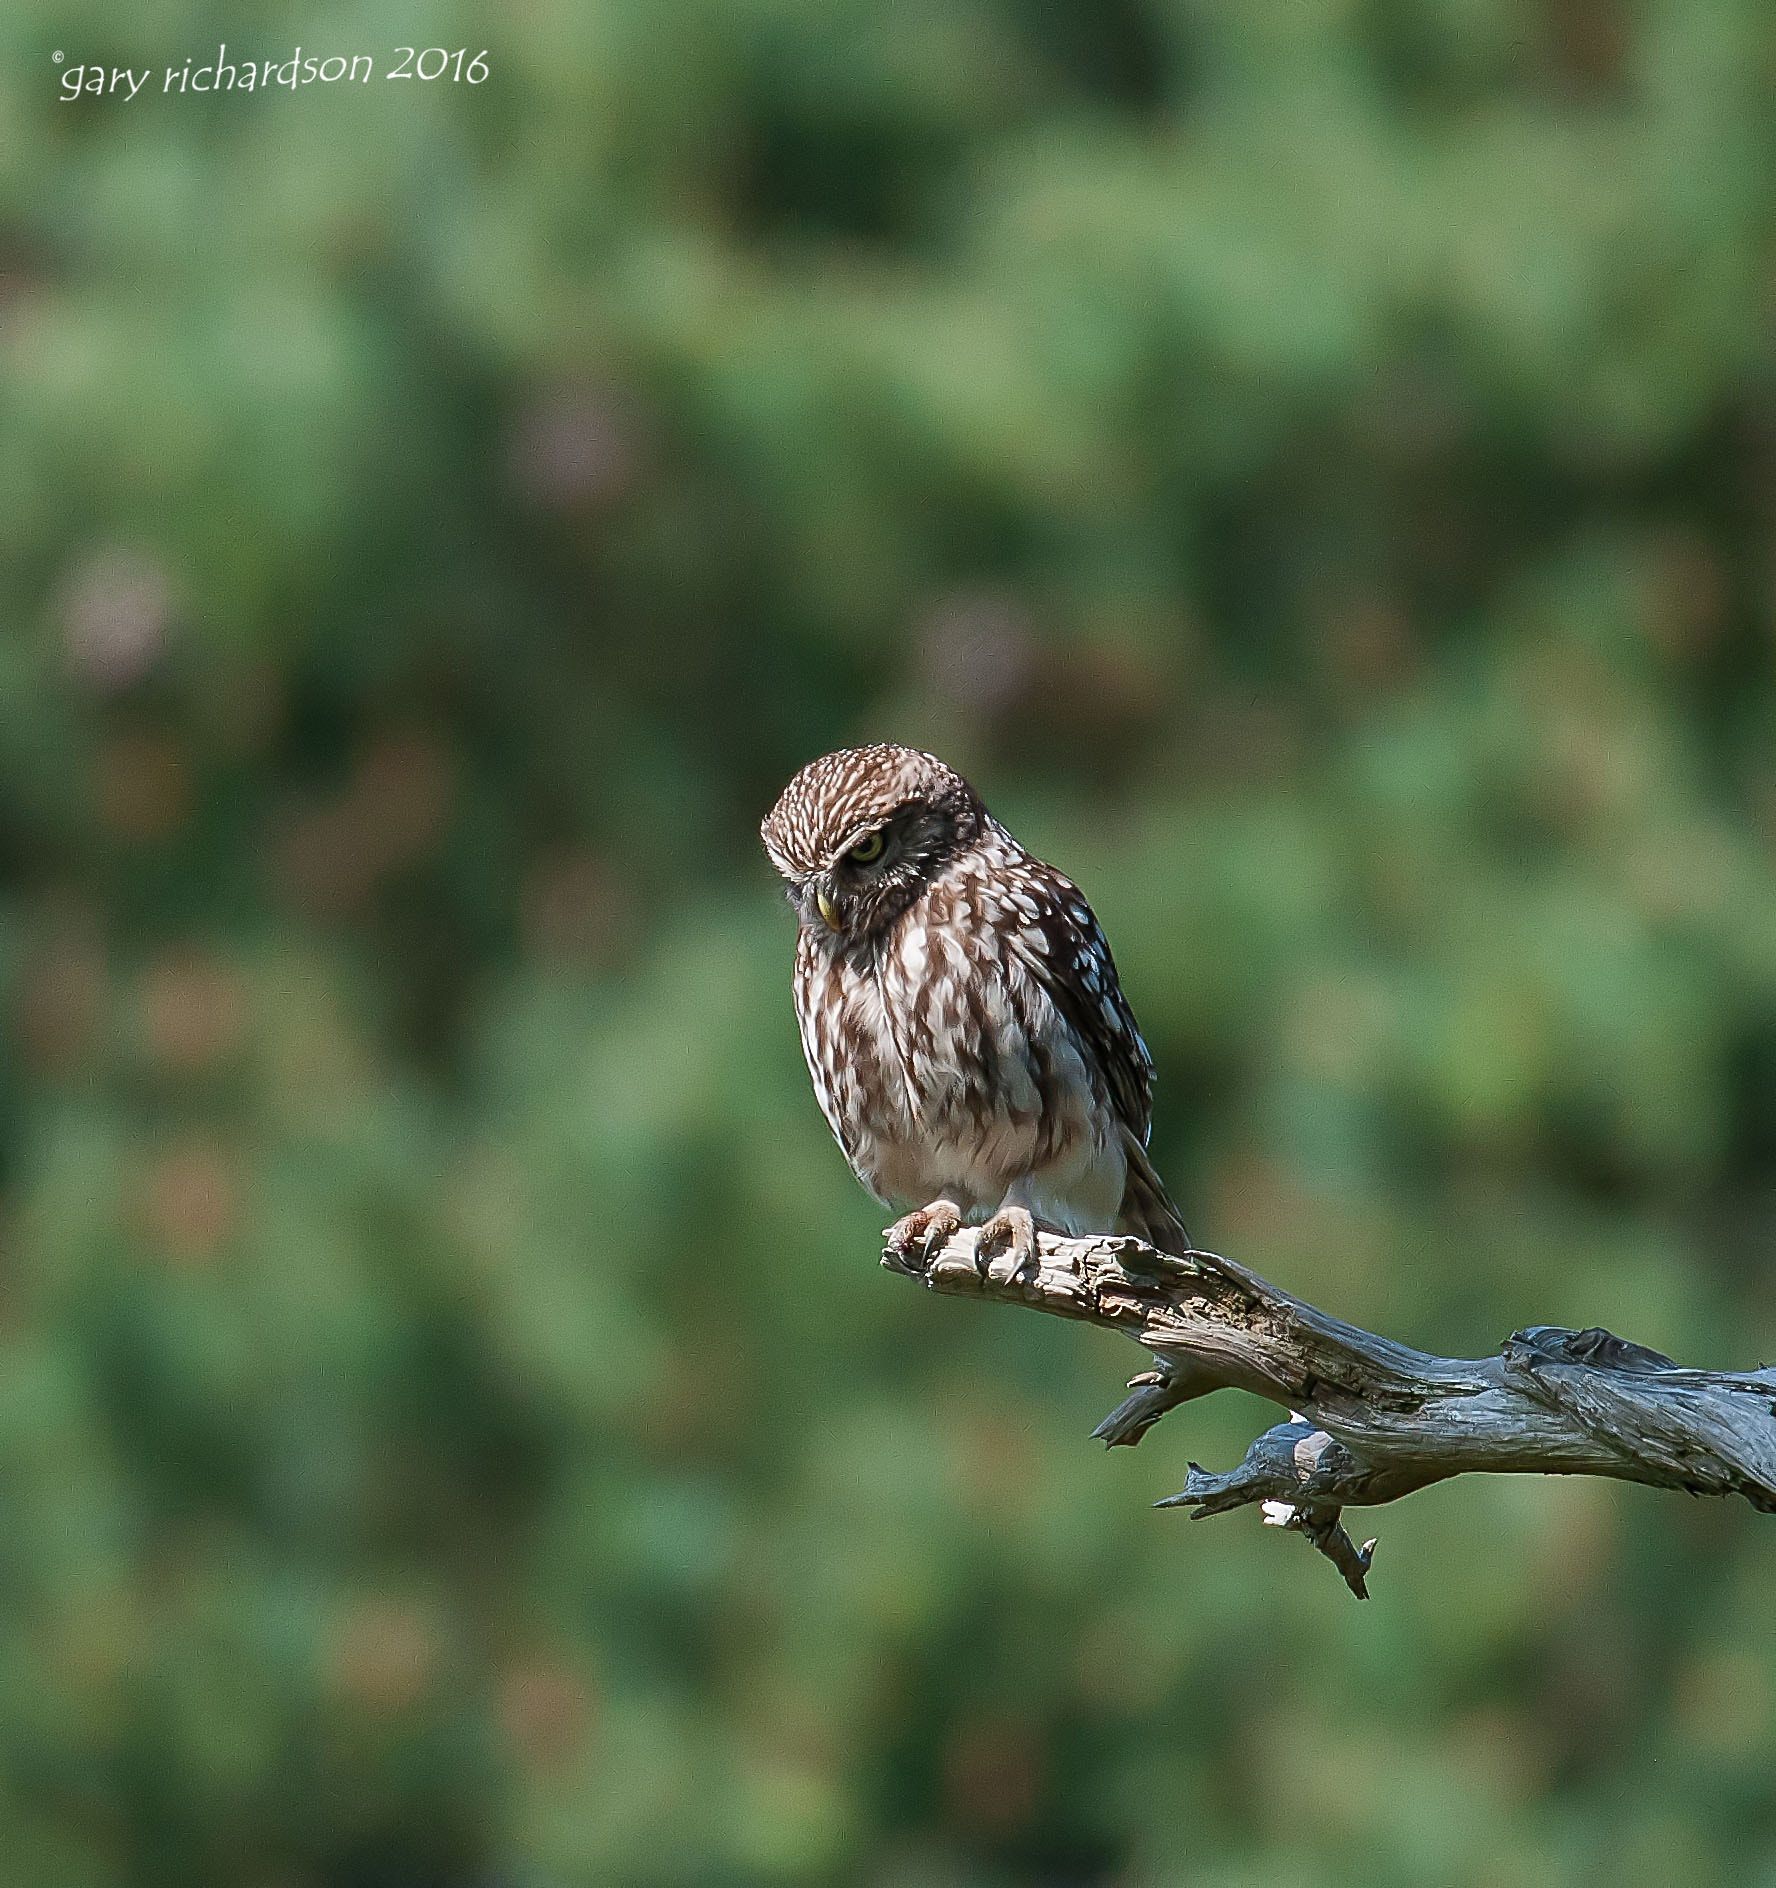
{"x":1315,"y":466}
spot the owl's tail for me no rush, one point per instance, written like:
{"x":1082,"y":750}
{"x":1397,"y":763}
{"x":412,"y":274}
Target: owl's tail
{"x":1147,"y":1209}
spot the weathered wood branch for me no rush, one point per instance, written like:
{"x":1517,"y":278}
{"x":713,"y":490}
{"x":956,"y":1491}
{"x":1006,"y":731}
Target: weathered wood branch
{"x":1372,"y":1420}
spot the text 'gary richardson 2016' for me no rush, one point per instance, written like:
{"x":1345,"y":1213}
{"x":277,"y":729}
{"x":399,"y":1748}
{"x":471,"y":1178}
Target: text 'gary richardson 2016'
{"x":223,"y":74}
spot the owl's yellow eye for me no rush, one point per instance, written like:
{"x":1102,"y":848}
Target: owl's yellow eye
{"x":867,"y":850}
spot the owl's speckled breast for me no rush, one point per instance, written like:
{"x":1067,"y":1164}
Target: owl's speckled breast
{"x":945,"y":1069}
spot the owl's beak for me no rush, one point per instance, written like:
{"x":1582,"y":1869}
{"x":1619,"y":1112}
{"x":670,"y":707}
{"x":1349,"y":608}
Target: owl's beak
{"x":828,"y":910}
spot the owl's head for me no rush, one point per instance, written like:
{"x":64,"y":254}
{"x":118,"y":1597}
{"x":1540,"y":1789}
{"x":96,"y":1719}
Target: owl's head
{"x":859,"y":834}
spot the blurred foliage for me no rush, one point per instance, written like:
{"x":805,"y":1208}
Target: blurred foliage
{"x":1315,"y":465}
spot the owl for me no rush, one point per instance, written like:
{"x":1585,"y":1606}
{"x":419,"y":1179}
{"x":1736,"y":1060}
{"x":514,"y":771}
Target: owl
{"x":961,"y":1015}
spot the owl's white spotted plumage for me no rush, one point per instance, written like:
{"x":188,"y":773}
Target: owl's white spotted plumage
{"x":966,"y":1031}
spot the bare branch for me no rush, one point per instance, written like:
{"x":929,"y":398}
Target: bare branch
{"x":1371,"y":1420}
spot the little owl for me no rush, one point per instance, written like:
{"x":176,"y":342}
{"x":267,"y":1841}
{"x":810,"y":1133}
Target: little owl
{"x":969,"y":1041}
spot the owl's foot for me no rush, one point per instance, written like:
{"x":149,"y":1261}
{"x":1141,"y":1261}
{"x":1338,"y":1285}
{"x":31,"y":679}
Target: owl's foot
{"x":916,"y":1240}
{"x":1012,"y":1229}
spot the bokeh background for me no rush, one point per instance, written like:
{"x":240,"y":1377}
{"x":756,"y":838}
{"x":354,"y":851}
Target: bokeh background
{"x":1315,"y":466}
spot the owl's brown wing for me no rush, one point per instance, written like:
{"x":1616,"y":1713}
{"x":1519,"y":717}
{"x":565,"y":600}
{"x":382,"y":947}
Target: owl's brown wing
{"x":1076,"y":968}
{"x":1067,"y":952}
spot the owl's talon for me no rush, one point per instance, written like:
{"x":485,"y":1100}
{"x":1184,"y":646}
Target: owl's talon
{"x":921,"y":1235}
{"x":1014,"y":1229}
